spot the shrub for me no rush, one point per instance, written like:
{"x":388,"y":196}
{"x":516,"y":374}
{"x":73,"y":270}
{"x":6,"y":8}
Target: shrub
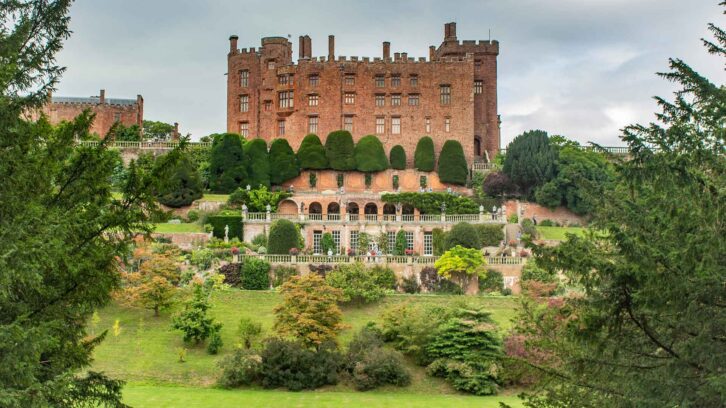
{"x":260,"y":240}
{"x":283,"y":236}
{"x":282,"y":274}
{"x":328,"y":243}
{"x":291,"y":365}
{"x":438,"y":237}
{"x":249,"y":331}
{"x":410,"y":285}
{"x":215,"y":342}
{"x":492,"y":282}
{"x":194,"y":321}
{"x":463,"y":234}
{"x":231,"y":273}
{"x":401,"y":243}
{"x":369,"y":337}
{"x":380,"y":367}
{"x":239,"y":368}
{"x":356,"y":283}
{"x":432,"y":282}
{"x":339,"y":149}
{"x":513,"y":219}
{"x":489,"y":235}
{"x":283,"y":162}
{"x":183,"y":186}
{"x":409,"y":328}
{"x":398,"y":158}
{"x":424,"y":158}
{"x":202,"y":258}
{"x":547,"y":223}
{"x":257,"y":199}
{"x":258,"y":163}
{"x":255,"y":274}
{"x":193,"y":215}
{"x":218,"y":222}
{"x":528,"y":228}
{"x":227,"y":169}
{"x":311,"y":154}
{"x":368,"y":180}
{"x":320,"y":269}
{"x":532,"y":272}
{"x":423,"y":181}
{"x":431,"y":203}
{"x":312,"y":180}
{"x":452,"y":164}
{"x":383,"y":277}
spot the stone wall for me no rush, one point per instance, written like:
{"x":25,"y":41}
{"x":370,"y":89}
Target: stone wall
{"x":525,"y":209}
{"x":354,"y":182}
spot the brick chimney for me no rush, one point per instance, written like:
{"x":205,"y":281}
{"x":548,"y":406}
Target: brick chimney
{"x":331,"y":47}
{"x":386,"y":50}
{"x":396,"y":56}
{"x":233,"y":44}
{"x":308,"y":46}
{"x":432,"y":53}
{"x":175,"y":135}
{"x":450,"y":32}
{"x":102,"y":97}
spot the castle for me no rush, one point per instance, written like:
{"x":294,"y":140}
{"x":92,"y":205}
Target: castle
{"x":450,"y":95}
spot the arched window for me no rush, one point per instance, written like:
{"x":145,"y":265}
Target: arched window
{"x":389,"y":209}
{"x":333,"y":208}
{"x":477,"y":146}
{"x":315,"y":208}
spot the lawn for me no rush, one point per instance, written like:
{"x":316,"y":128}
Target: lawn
{"x":164,"y":396}
{"x":558,"y":233}
{"x":145,"y":349}
{"x":215,"y":197}
{"x":176,"y":228}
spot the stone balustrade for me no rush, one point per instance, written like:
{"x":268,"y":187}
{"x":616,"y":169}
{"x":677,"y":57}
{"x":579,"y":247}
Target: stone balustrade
{"x":388,"y":259}
{"x":335,"y":218}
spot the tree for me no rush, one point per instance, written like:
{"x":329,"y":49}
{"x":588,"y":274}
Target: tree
{"x":401,"y":243}
{"x":463,"y":234}
{"x":497,"y":184}
{"x":424,"y":157}
{"x":648,"y":327}
{"x":357,"y":284}
{"x":530,"y":161}
{"x":227,"y":168}
{"x":311,"y":154}
{"x":258,"y":163}
{"x":61,"y":229}
{"x":460,"y":263}
{"x":452,"y":164}
{"x":309,"y":310}
{"x":339,"y":149}
{"x":257,"y":199}
{"x":152,"y":287}
{"x":183,"y":187}
{"x":398,"y":158}
{"x":122,"y":133}
{"x":194,"y":320}
{"x":283,"y":237}
{"x":369,"y":155}
{"x":157,"y":131}
{"x":283,"y":162}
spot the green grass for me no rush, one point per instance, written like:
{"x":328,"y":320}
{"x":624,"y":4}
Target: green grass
{"x":145,"y":349}
{"x":558,"y":233}
{"x":160,"y":396}
{"x":215,"y":197}
{"x":172,"y":228}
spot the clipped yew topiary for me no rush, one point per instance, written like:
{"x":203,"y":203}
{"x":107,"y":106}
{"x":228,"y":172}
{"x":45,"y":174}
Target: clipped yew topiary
{"x":452,"y":163}
{"x":227,"y":169}
{"x":340,"y":150}
{"x":258,"y":163}
{"x":424,"y":158}
{"x":184,"y":185}
{"x":398,"y":158}
{"x":283,"y":162}
{"x":283,"y":236}
{"x":311,"y":154}
{"x":369,"y":155}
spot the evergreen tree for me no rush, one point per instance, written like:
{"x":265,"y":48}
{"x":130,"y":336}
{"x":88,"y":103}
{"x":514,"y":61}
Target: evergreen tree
{"x":283,"y":237}
{"x":398,"y":158}
{"x":339,"y":149}
{"x":283,"y":162}
{"x":227,"y":169}
{"x":369,"y":155}
{"x":311,"y":153}
{"x":183,"y":186}
{"x":424,"y":158}
{"x":452,"y":164}
{"x":530,"y":161}
{"x":258,"y":163}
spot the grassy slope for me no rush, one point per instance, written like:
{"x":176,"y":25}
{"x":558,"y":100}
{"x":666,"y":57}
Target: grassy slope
{"x":145,"y":349}
{"x":215,"y":197}
{"x":172,"y":228}
{"x":558,"y":233}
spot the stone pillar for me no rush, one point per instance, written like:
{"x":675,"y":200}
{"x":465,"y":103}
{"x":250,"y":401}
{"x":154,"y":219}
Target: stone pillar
{"x":481,"y":213}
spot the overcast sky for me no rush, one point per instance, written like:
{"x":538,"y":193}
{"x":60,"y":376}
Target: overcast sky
{"x":580,"y":68}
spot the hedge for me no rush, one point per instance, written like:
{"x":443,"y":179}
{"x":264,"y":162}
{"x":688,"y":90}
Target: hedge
{"x":463,"y":234}
{"x":340,"y":150}
{"x":283,"y":162}
{"x":311,"y":154}
{"x":219,"y":221}
{"x":424,"y":158}
{"x":398,"y":158}
{"x":452,"y":164}
{"x":227,"y":169}
{"x":283,"y":237}
{"x":258,"y":163}
{"x":369,"y":155}
{"x":489,"y":234}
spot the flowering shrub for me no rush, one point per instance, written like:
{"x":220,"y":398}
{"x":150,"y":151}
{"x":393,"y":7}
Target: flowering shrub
{"x":294,"y":251}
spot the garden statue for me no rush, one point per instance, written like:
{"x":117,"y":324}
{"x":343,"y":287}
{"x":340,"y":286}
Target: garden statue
{"x":248,"y":187}
{"x":268,"y":208}
{"x":226,"y":233}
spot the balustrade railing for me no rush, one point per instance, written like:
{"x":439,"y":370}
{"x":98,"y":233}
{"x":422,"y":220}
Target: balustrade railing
{"x":393,"y":259}
{"x":384,"y":218}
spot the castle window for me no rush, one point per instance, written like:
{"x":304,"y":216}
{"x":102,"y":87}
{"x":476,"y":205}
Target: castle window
{"x":447,"y":125}
{"x":413,"y":80}
{"x":478,"y":87}
{"x":380,"y":81}
{"x":313,"y":100}
{"x":396,"y":80}
{"x":312,"y":124}
{"x":350,"y":98}
{"x":427,"y":121}
{"x":268,"y":105}
{"x":413,"y":100}
{"x":285,"y":99}
{"x":396,"y":125}
{"x":244,"y":129}
{"x":381,"y":100}
{"x":477,"y":64}
{"x":380,"y":125}
{"x":244,"y":103}
{"x":270,"y":64}
{"x":116,"y":117}
{"x":349,"y":79}
{"x":284,"y":79}
{"x":445,"y":94}
{"x":409,"y":240}
{"x":348,"y":123}
{"x":281,"y":128}
{"x":314,"y":79}
{"x":244,"y":78}
{"x":396,"y":100}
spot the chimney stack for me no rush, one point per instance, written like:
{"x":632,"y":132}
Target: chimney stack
{"x":404,"y":56}
{"x":233,"y":44}
{"x":331,"y":47}
{"x":175,"y":135}
{"x":102,"y":97}
{"x":432,"y":53}
{"x":396,"y":56}
{"x":450,"y":31}
{"x":301,"y":47}
{"x":308,"y":46}
{"x":386,"y":50}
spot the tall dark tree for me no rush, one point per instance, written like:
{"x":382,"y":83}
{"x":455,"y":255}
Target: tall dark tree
{"x":258,"y":163}
{"x":183,"y":186}
{"x":452,"y":163}
{"x":227,"y":169}
{"x":283,"y":162}
{"x":61,"y":230}
{"x":649,"y":327}
{"x":398,"y":158}
{"x":369,"y":155}
{"x":311,"y":154}
{"x":530,"y":161}
{"x":339,"y":149}
{"x":424,"y":157}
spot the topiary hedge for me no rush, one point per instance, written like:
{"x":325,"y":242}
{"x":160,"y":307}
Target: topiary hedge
{"x":283,"y":237}
{"x":424,"y":158}
{"x":340,"y":150}
{"x":234,"y":221}
{"x":227,"y":169}
{"x":463,"y":234}
{"x":283,"y":162}
{"x":452,"y":164}
{"x":258,"y":163}
{"x":311,"y":154}
{"x":398,"y":158}
{"x":255,"y":274}
{"x":369,"y":155}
